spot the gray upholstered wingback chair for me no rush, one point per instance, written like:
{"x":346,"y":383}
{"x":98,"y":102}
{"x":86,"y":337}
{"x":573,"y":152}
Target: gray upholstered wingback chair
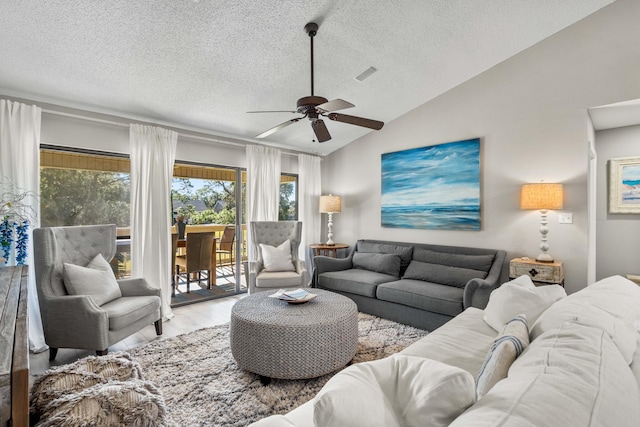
{"x":274,"y":233}
{"x":76,"y":321}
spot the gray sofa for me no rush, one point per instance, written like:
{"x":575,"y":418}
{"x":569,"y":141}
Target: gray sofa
{"x":417,"y":284}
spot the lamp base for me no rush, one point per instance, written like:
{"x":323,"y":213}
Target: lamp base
{"x":544,"y":258}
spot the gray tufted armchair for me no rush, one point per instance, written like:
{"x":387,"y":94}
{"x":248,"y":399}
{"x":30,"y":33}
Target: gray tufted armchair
{"x":273,"y":233}
{"x":76,"y":321}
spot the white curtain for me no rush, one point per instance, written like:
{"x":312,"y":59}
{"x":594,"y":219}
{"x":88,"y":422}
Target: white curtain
{"x":263,"y":186}
{"x":309,"y":190}
{"x":20,"y":164}
{"x":153,"y":153}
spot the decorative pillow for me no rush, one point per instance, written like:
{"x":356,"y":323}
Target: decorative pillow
{"x":117,"y":403}
{"x":404,"y":252}
{"x":520,"y":296}
{"x":396,"y":391}
{"x":382,"y":263}
{"x":84,"y":373}
{"x":502,"y":353}
{"x":612,"y":305}
{"x":472,"y":262}
{"x":96,"y":280}
{"x":277,"y":259}
{"x":442,"y":274}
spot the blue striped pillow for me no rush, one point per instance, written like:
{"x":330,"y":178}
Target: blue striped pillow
{"x":504,"y":350}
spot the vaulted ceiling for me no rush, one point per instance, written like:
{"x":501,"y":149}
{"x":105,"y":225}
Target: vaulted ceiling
{"x":202,"y":64}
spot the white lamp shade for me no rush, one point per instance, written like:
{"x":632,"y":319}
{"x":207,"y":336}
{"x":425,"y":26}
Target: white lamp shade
{"x":541,"y":196}
{"x":330,"y":204}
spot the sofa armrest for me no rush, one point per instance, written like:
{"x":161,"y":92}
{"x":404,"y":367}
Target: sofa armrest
{"x":477,"y":291}
{"x":137,"y":286}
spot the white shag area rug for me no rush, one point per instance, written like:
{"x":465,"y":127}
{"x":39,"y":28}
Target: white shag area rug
{"x":202,"y":385}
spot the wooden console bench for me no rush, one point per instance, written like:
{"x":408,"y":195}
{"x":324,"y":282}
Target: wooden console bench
{"x":14,"y":347}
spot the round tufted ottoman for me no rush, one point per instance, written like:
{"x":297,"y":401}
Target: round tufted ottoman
{"x":275,"y":339}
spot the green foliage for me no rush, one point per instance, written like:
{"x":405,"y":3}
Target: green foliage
{"x":78,"y":197}
{"x":287,"y":208}
{"x":210,"y":193}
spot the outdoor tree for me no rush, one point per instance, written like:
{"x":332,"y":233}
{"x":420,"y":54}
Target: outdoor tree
{"x":79,"y":197}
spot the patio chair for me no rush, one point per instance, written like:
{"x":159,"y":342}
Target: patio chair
{"x":227,"y":246}
{"x":82,"y":305}
{"x":197,"y":259}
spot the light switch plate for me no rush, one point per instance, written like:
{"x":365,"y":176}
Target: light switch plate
{"x":565,"y":218}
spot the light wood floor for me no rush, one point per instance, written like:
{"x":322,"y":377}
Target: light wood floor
{"x":186,"y":319}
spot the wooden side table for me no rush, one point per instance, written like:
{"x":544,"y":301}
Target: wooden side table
{"x":541,"y":273}
{"x":327,"y":250}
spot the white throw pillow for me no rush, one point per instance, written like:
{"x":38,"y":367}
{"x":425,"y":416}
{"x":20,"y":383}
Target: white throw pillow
{"x":502,"y":353}
{"x":277,"y":259}
{"x":396,"y":391}
{"x":96,"y":280}
{"x":520,"y":296}
{"x":612,"y":305}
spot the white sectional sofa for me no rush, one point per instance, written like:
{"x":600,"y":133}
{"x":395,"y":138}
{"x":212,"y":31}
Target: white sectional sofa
{"x":581,"y":368}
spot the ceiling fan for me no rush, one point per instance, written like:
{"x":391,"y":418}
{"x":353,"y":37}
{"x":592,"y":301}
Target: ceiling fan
{"x":315,"y":107}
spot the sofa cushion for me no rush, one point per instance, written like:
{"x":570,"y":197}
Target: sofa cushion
{"x":443,"y":274}
{"x":511,"y":342}
{"x":571,"y":375}
{"x":96,"y":280}
{"x":128,"y":310}
{"x":463,"y":342}
{"x":612,"y":304}
{"x":278,"y":279}
{"x":382,"y":263}
{"x":404,"y":252}
{"x":395,"y":391}
{"x":471,"y":262}
{"x":426,"y":296}
{"x":520,"y":296}
{"x":355,"y":281}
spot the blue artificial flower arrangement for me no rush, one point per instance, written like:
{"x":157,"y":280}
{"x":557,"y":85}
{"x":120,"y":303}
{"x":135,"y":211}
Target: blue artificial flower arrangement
{"x":15,"y":214}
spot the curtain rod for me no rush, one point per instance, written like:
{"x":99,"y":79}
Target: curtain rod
{"x":183,"y":132}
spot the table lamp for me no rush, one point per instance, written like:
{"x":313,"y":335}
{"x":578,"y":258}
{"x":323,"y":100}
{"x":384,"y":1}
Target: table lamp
{"x":543,"y":197}
{"x":330,"y":204}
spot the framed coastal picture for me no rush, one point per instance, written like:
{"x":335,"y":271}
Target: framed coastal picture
{"x":624,"y":185}
{"x":435,"y":187}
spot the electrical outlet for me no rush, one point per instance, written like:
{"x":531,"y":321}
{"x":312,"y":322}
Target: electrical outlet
{"x":565,"y":218}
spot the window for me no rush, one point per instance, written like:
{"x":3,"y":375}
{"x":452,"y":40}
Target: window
{"x":89,"y":187}
{"x":83,"y":188}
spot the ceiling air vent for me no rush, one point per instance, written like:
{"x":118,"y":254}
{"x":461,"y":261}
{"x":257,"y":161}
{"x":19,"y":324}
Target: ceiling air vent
{"x":365,"y":74}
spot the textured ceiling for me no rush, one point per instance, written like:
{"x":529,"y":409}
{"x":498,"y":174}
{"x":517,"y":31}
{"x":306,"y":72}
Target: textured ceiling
{"x":203,"y":64}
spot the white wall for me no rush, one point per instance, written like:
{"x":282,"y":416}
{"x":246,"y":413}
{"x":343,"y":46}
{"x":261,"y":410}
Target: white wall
{"x":531,"y":115}
{"x":95,"y":135}
{"x":618,"y":235}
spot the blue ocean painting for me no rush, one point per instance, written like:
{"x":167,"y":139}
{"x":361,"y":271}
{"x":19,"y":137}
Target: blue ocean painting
{"x":435,"y":187}
{"x":631,"y":184}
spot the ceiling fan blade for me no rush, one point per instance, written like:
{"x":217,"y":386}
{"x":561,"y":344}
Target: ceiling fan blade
{"x":277,"y":111}
{"x":277,"y":128}
{"x":321,"y":131}
{"x":335,"y":105}
{"x":358,"y":121}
